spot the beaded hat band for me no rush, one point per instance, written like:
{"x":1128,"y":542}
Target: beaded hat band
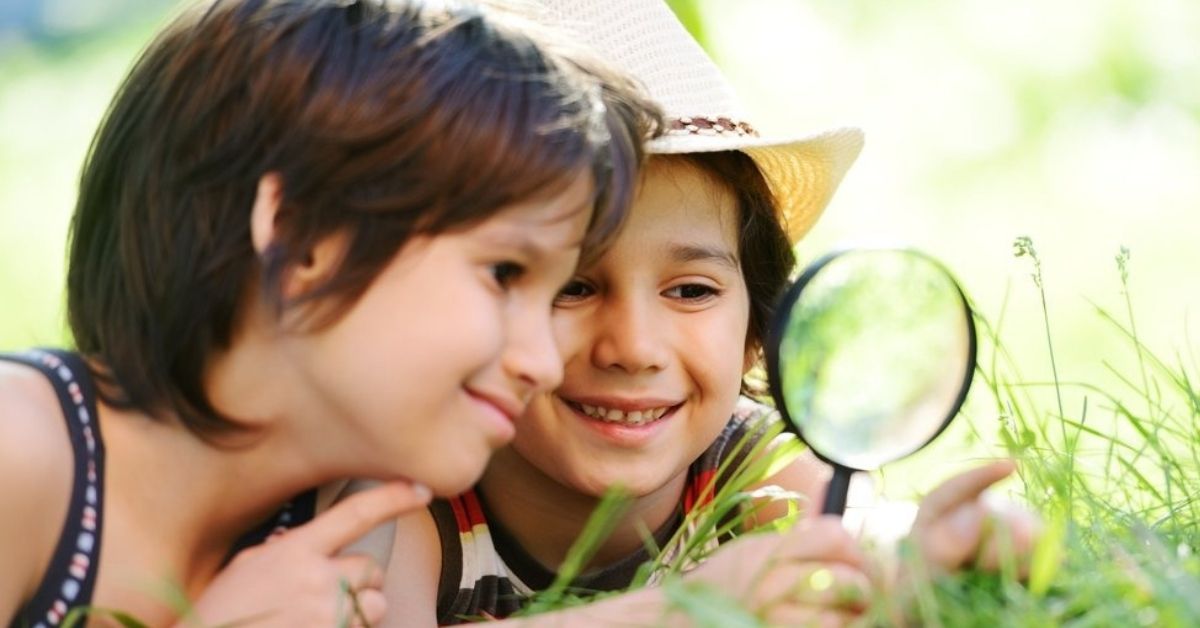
{"x":704,"y":125}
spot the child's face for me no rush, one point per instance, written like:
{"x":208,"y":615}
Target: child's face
{"x":447,"y":346}
{"x":654,"y":338}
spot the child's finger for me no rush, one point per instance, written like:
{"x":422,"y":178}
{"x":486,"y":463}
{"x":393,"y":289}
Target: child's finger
{"x":962,"y":488}
{"x":359,"y":571}
{"x":372,"y":605}
{"x":356,"y":515}
{"x":822,"y":539}
{"x":831,"y":586}
{"x":1014,"y":531}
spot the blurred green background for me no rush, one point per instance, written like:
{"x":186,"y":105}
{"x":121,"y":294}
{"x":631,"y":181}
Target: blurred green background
{"x":1074,"y":122}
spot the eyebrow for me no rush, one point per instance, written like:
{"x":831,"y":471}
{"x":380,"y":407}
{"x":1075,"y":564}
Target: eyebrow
{"x":528,"y":248}
{"x":703,"y":253}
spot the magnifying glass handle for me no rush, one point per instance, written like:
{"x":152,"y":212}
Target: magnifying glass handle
{"x":835,"y":493}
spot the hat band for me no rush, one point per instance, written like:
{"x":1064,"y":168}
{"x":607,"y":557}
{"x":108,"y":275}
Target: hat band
{"x":704,"y":125}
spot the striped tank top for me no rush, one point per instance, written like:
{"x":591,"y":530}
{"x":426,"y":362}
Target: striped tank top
{"x":486,"y":573}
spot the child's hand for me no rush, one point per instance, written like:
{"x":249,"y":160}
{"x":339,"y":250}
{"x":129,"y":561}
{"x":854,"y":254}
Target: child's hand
{"x":298,"y":579}
{"x":812,"y":575}
{"x":955,"y":527}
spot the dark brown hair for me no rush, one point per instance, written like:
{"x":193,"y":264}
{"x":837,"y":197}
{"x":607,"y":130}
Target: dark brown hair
{"x":384,"y":122}
{"x":764,"y":250}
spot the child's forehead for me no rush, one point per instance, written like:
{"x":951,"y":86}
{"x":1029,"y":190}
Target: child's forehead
{"x":673,"y":235}
{"x":684,"y":201}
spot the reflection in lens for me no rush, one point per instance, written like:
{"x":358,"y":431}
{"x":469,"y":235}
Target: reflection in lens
{"x":874,"y":355}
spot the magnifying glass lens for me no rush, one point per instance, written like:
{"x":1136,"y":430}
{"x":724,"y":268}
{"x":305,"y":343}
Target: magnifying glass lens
{"x":872,"y":354}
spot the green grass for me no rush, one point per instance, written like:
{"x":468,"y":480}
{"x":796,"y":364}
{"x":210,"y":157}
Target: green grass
{"x":1117,"y":481}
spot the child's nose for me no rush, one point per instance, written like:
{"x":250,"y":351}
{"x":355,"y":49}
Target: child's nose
{"x":631,"y":338}
{"x":532,"y":356}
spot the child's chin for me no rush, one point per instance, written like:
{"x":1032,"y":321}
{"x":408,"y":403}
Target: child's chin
{"x":637,"y":486}
{"x":459,"y":479}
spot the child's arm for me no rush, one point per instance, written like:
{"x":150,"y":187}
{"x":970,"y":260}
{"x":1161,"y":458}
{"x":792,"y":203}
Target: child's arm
{"x":36,"y":462}
{"x":813,"y":575}
{"x":770,"y":575}
{"x":414,"y":568}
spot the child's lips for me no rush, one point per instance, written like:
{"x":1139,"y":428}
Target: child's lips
{"x":623,"y":434}
{"x":510,"y":407}
{"x":623,"y":404}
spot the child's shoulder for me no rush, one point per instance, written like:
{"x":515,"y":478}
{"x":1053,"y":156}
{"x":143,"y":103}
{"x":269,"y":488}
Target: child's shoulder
{"x":33,"y":436}
{"x":36,"y":467}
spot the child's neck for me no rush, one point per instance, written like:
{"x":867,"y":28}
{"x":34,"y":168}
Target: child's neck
{"x":203,"y":496}
{"x":174,"y":508}
{"x":546,"y":517}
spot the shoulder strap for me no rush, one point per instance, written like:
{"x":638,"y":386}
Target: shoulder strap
{"x":71,"y":575}
{"x":475,"y":582}
{"x":448,"y":528}
{"x":295,"y":513}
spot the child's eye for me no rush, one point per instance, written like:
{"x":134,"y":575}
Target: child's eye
{"x":691,"y":292}
{"x":507,"y":272}
{"x":575,"y":290}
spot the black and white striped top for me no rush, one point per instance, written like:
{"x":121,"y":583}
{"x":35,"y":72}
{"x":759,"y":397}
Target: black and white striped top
{"x":487,"y":574}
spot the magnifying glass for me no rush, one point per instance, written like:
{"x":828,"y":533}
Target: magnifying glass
{"x":869,"y":358}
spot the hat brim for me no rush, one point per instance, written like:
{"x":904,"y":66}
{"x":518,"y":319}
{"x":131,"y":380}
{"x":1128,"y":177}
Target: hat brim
{"x":802,"y":172}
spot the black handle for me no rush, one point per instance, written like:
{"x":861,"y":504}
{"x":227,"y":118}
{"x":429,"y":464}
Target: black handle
{"x":835,"y":493}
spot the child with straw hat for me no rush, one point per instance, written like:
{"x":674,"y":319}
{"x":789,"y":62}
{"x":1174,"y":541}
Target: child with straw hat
{"x":657,"y":335}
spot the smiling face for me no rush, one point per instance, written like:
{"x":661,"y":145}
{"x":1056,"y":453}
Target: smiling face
{"x":429,"y":368}
{"x":653,"y":337}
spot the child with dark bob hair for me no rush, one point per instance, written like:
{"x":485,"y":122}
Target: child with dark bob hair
{"x":314,"y":240}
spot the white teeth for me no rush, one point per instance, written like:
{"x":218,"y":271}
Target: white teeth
{"x":613,"y":415}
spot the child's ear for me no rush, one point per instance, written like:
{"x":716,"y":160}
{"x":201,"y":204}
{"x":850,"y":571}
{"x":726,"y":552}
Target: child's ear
{"x":319,"y":263}
{"x":316,"y":265}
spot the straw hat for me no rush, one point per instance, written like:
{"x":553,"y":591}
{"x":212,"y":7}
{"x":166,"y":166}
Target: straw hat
{"x":645,"y":40}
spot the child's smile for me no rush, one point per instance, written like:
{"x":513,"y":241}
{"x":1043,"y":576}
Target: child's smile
{"x":631,"y":413}
{"x":630,"y":423}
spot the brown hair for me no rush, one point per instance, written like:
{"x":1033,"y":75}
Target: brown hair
{"x":383,"y":123}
